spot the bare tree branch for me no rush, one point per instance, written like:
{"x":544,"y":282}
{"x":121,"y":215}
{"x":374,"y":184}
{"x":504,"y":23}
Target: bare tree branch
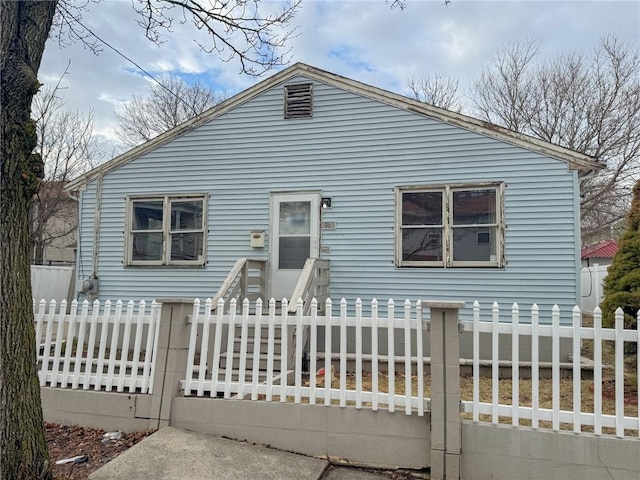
{"x":67,"y":26}
{"x":587,"y":103}
{"x":502,"y":93}
{"x":438,"y":90}
{"x":168,"y":104}
{"x":67,"y":145}
{"x":237,"y":29}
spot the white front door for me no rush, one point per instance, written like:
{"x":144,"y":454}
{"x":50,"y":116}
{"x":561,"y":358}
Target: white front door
{"x":295,"y":226}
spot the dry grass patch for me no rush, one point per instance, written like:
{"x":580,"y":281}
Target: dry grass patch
{"x":545,"y":395}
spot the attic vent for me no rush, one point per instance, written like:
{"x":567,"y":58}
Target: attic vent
{"x":298,"y":101}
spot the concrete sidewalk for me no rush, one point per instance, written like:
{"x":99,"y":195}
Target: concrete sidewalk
{"x":177,"y":454}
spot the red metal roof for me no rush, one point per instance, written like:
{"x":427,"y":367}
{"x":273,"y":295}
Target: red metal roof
{"x":606,"y":249}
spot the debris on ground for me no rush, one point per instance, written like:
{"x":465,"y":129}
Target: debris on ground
{"x":81,"y":450}
{"x":111,"y":437}
{"x":76,"y":459}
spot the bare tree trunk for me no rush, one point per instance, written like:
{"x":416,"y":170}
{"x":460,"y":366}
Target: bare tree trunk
{"x":23,"y":450}
{"x":38,"y":253}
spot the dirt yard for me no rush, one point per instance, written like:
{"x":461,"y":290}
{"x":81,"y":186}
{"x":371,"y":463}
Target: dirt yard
{"x":68,"y":442}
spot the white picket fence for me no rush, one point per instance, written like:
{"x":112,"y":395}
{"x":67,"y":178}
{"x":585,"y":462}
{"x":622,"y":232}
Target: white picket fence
{"x":205,"y":375}
{"x":113,"y":348}
{"x":101,"y":347}
{"x":530,"y":326}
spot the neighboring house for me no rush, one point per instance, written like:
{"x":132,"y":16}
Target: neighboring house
{"x":54,"y":222}
{"x":601,"y":253}
{"x":613,"y":231}
{"x":404,"y":199}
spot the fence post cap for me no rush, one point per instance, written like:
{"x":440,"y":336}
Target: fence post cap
{"x":174,"y":300}
{"x":445,"y":304}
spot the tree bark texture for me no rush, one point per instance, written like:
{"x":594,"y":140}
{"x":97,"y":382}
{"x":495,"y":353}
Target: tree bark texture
{"x":23,"y":450}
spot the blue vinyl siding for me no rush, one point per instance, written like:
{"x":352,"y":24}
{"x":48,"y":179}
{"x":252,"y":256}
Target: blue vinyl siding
{"x":86,"y":210}
{"x":354,"y":150}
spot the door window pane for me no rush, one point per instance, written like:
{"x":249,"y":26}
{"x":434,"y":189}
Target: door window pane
{"x":295,"y":218}
{"x":293,"y":252}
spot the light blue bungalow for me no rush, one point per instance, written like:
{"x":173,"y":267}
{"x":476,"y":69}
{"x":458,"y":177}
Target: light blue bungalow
{"x":310,"y":179}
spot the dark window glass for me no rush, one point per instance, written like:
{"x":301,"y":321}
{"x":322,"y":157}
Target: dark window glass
{"x":186,"y":246}
{"x":422,"y":208}
{"x":147,"y":246}
{"x":468,"y":248}
{"x":473,"y":207}
{"x":186,"y":215}
{"x":293,"y":252}
{"x":422,"y":244}
{"x":147,"y":215}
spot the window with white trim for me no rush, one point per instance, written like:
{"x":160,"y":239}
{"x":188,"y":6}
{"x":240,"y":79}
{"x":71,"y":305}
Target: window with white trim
{"x":450,"y":226}
{"x":166,"y":230}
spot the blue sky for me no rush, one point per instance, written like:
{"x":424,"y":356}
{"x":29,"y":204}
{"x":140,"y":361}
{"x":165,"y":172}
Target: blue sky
{"x":364,"y":40}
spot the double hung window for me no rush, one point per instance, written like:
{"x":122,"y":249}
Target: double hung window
{"x":166,"y":230}
{"x":450,"y":226}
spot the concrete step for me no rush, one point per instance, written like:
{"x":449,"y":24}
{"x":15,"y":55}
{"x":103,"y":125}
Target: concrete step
{"x":248,"y":376}
{"x":262,"y":364}
{"x":264,"y":331}
{"x":276,"y":380}
{"x":264,"y":338}
{"x":264,"y":345}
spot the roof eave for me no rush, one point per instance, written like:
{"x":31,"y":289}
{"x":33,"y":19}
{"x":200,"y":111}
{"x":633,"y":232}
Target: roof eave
{"x":185,"y":127}
{"x":576,"y":160}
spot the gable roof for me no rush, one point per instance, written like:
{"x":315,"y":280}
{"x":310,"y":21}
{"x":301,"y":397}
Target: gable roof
{"x":606,"y":249}
{"x":575,"y":160}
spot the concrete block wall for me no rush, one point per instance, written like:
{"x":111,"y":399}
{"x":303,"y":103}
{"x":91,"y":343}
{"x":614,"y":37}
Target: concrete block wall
{"x":499,"y":452}
{"x":360,"y":436}
{"x":105,"y":410}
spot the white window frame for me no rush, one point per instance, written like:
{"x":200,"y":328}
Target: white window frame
{"x":448,"y":227}
{"x":166,"y":230}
